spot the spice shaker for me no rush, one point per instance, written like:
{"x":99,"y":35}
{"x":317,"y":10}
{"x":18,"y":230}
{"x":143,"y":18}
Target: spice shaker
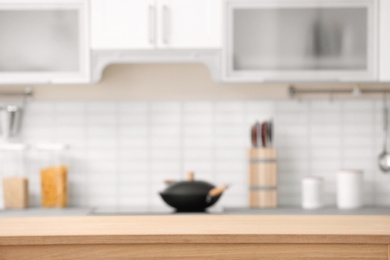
{"x":54,"y":175}
{"x":312,"y":192}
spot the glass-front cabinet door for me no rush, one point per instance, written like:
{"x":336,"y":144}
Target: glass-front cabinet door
{"x":44,"y":41}
{"x":301,"y":40}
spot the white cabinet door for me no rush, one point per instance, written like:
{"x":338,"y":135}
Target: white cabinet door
{"x":44,"y":41}
{"x":384,"y":44}
{"x":189,"y":24}
{"x":123,"y":24}
{"x":301,"y":40}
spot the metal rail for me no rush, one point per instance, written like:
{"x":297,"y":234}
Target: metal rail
{"x":356,"y":91}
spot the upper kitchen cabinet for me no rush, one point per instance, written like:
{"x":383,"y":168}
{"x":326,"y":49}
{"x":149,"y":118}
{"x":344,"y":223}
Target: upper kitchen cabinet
{"x":44,"y":41}
{"x":305,"y":40}
{"x":123,"y":24}
{"x":189,"y":24}
{"x":151,"y":24}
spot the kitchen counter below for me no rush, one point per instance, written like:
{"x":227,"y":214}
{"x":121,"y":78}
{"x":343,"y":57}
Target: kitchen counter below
{"x":195,"y":229}
{"x":196,"y":236}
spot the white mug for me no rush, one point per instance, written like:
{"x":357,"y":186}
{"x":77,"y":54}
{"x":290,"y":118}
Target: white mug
{"x":350,"y":189}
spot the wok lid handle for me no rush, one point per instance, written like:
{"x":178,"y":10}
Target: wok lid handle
{"x":190,"y":176}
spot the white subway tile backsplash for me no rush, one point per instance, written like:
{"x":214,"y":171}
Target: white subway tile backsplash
{"x":163,"y":166}
{"x":199,"y":166}
{"x":325,"y":154}
{"x":95,"y":119}
{"x":196,"y":130}
{"x":40,"y":120}
{"x":133,"y":166}
{"x":360,"y":118}
{"x":40,"y":108}
{"x":229,"y":118}
{"x":358,"y":141}
{"x":288,"y":119}
{"x":229,"y":107}
{"x":126,"y":108}
{"x":200,"y":142}
{"x":133,"y":142}
{"x":101,"y":108}
{"x":134,"y":178}
{"x":358,"y":106}
{"x":132,"y":154}
{"x":318,"y":129}
{"x":165,"y":154}
{"x":324,"y":141}
{"x":102,"y":131}
{"x":161,"y":107}
{"x":162,"y":118}
{"x":133,"y":120}
{"x":70,"y":107}
{"x":326,"y":106}
{"x":121,"y":152}
{"x":131,"y":131}
{"x":164,"y":142}
{"x":198,"y":119}
{"x":291,"y":107}
{"x":290,"y":130}
{"x":172,"y":131}
{"x":101,"y":143}
{"x":198,"y":107}
{"x":260,"y":107}
{"x":325,"y":118}
{"x":198,"y":154}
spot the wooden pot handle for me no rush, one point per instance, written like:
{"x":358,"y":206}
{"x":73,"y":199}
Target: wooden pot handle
{"x":218,"y":190}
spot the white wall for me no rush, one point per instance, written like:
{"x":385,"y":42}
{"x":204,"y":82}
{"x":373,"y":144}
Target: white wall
{"x":121,"y":151}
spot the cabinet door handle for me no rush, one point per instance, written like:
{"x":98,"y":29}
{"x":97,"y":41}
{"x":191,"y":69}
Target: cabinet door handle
{"x":152,"y":24}
{"x":165,"y":24}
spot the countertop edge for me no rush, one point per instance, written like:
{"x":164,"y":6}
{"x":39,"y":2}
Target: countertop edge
{"x":197,"y":239}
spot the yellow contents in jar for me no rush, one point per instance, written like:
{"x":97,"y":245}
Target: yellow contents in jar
{"x":54,"y":190}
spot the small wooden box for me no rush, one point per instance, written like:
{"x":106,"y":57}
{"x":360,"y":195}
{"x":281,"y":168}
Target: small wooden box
{"x":15,"y":192}
{"x":262,"y":178}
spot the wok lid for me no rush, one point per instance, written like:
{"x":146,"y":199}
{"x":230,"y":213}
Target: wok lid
{"x":189,"y":187}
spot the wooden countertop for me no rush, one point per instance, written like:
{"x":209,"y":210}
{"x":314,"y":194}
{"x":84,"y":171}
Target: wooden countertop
{"x":195,"y":229}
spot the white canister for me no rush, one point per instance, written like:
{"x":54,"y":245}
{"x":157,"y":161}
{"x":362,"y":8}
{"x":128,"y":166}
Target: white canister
{"x":312,"y":192}
{"x":350,"y":189}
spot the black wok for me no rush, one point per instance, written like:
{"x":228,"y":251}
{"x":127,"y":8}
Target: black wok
{"x":191,"y":195}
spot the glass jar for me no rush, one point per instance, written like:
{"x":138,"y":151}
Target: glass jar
{"x":54,"y":175}
{"x":13,"y":172}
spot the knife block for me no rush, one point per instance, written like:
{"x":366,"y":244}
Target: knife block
{"x":262,"y":178}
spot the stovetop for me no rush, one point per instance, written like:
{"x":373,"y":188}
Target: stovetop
{"x":125,"y":211}
{"x":282,"y":210}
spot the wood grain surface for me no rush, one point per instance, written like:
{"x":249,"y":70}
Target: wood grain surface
{"x":196,"y":251}
{"x":195,"y":229}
